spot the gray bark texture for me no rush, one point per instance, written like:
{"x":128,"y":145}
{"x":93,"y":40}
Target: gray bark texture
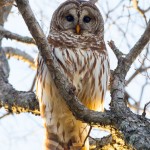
{"x":24,"y":39}
{"x":11,"y":99}
{"x":132,"y":128}
{"x":20,"y":55}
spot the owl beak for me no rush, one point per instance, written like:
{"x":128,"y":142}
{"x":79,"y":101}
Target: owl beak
{"x":78,"y":28}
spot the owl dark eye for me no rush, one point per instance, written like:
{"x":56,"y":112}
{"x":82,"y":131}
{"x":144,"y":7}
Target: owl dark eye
{"x":86,"y":19}
{"x":70,"y":18}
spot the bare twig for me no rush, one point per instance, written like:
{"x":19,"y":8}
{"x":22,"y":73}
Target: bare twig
{"x":13,"y":36}
{"x":87,"y":136}
{"x":33,"y":84}
{"x":117,"y":52}
{"x":144,"y":111}
{"x":139,"y":70}
{"x":20,"y":55}
{"x":8,"y":113}
{"x":141,"y":95}
{"x":141,"y":11}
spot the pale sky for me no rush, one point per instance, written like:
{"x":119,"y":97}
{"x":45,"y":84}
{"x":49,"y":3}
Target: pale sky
{"x":25,"y":131}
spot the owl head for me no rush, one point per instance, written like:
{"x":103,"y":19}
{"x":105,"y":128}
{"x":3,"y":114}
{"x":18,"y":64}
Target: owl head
{"x":78,"y":17}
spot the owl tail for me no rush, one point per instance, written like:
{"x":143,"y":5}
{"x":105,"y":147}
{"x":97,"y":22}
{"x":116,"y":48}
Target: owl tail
{"x":52,"y":142}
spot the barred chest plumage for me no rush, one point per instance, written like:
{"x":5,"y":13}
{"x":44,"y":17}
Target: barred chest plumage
{"x":76,"y":38}
{"x":88,"y":71}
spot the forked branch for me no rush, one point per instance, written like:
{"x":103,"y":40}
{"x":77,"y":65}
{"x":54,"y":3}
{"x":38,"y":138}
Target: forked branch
{"x":65,"y":88}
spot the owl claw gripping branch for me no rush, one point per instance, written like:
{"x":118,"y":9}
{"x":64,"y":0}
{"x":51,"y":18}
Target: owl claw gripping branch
{"x":76,"y":38}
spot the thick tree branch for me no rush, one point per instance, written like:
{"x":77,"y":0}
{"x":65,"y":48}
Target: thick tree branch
{"x":134,"y":128}
{"x":115,"y":140}
{"x":17,"y":101}
{"x":13,"y":36}
{"x":12,"y":100}
{"x":103,"y":141}
{"x":20,"y":55}
{"x":64,"y":87}
{"x":135,"y":132}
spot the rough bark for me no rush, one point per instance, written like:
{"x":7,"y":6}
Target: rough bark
{"x":20,"y":55}
{"x":66,"y":89}
{"x":12,"y":100}
{"x":13,"y":36}
{"x":134,"y":128}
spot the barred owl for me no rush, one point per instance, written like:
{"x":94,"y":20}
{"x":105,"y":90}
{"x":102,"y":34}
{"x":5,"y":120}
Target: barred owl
{"x":76,"y":38}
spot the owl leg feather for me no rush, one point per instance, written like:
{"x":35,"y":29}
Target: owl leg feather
{"x":53,"y":141}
